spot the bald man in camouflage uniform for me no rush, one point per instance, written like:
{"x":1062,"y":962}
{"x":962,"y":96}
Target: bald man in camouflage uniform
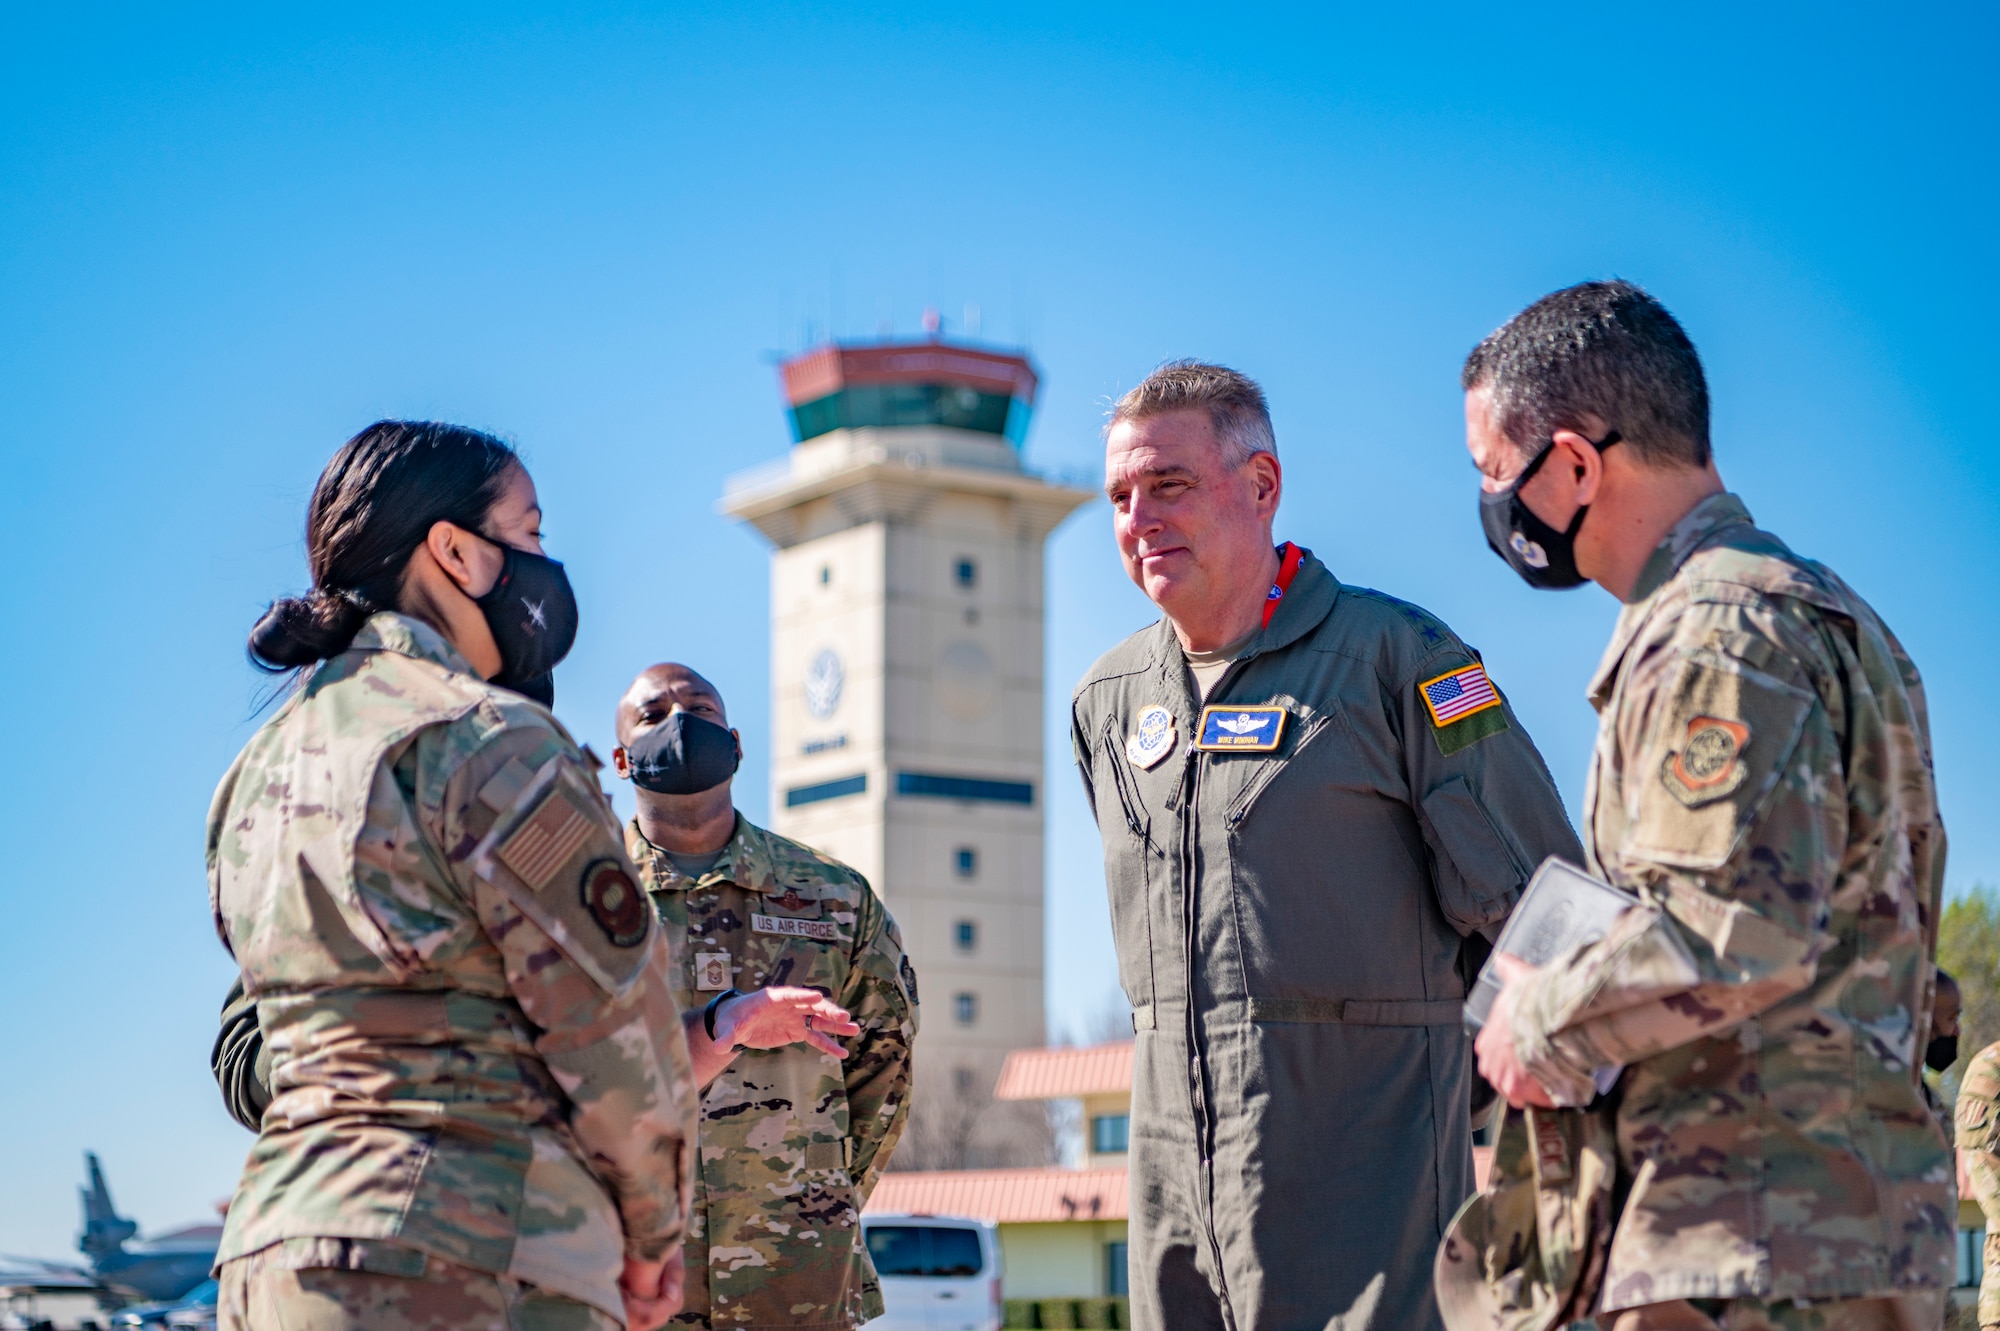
{"x":475,"y":1093}
{"x":1978,"y":1121}
{"x":778,"y":954}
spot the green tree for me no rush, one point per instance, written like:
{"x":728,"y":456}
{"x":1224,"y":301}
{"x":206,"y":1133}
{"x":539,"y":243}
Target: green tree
{"x":1969,"y":948}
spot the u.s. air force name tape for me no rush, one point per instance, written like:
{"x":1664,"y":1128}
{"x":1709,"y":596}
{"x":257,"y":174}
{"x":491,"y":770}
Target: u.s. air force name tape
{"x":824,"y":930}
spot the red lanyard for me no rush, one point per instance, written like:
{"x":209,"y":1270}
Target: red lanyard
{"x":1288,"y":567}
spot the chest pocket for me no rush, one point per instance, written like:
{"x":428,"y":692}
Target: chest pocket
{"x":1252,"y":777}
{"x":774,"y":939}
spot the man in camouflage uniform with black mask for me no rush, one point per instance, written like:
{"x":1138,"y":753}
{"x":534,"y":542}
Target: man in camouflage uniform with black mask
{"x":779,"y":955}
{"x":1762,"y":782}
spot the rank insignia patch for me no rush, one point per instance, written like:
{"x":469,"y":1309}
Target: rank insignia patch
{"x":1152,"y":739}
{"x":1240,"y":729}
{"x":616,"y":903}
{"x":1709,"y":763}
{"x":1464,"y":707}
{"x":711,"y":971}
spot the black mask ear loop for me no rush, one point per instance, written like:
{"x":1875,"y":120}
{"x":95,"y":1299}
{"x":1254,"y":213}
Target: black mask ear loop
{"x":1528,"y":472}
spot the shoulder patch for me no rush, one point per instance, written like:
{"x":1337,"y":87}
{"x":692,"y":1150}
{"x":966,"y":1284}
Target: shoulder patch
{"x":909,"y":974}
{"x":616,"y":903}
{"x":1709,"y":762}
{"x":556,"y":830}
{"x":1464,"y":707}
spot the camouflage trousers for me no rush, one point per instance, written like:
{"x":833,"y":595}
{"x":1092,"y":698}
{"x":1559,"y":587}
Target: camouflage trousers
{"x":1908,"y":1312}
{"x":270,"y":1296}
{"x":1983,"y":1170}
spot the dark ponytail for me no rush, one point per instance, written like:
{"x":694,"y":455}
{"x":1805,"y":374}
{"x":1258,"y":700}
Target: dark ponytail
{"x":374,"y":505}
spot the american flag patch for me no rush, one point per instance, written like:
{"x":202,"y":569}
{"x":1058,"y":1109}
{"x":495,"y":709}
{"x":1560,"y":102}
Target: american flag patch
{"x":1455,"y":696}
{"x":540,"y":846}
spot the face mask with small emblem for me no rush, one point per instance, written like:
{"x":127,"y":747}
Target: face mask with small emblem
{"x":1544,"y":557}
{"x":532,"y":614}
{"x":683,"y":755}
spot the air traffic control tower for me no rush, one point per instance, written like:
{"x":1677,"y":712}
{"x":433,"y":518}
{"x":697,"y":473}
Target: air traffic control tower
{"x":906,"y":667}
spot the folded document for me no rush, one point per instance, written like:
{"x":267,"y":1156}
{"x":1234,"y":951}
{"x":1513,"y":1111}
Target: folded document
{"x":1563,"y":908}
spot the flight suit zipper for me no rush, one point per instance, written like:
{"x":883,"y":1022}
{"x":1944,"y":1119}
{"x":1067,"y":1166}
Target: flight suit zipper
{"x":1198,"y":1099}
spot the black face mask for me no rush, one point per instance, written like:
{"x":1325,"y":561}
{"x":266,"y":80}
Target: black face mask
{"x":1941,"y":1052}
{"x":1543,"y":556}
{"x":683,"y":755}
{"x":532,"y":613}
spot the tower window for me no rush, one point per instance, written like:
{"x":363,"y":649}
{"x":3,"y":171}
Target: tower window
{"x":966,"y":860}
{"x":965,"y":1008}
{"x":965,"y":935}
{"x":966,"y":574}
{"x":1109,"y":1134}
{"x":825,"y":574}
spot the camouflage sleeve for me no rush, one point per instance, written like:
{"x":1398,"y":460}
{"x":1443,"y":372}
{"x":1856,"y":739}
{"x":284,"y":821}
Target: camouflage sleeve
{"x":239,"y":1060}
{"x":1730,"y":841}
{"x":1976,"y":1117}
{"x":540,"y":855}
{"x":881,"y":996}
{"x":1488,"y":807}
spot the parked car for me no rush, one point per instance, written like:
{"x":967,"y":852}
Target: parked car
{"x":192,"y":1311}
{"x":939,"y":1272}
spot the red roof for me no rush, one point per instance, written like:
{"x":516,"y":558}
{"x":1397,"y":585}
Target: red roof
{"x":1056,"y":1074}
{"x":830,"y":368}
{"x":1029,"y":1196}
{"x":1005,"y":1196}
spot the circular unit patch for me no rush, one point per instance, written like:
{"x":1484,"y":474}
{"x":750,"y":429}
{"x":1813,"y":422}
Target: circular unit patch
{"x":1709,"y":750}
{"x":616,"y":903}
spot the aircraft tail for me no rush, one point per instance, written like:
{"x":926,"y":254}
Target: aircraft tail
{"x":104,"y":1230}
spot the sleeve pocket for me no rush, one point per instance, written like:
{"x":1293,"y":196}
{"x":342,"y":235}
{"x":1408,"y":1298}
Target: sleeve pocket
{"x":1723,"y":743}
{"x":1479,"y":875}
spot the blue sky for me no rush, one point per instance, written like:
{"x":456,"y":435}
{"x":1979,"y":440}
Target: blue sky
{"x":228,"y":240}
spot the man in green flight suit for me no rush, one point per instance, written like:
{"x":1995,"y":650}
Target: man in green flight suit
{"x":778,"y":955}
{"x":1314,"y":803}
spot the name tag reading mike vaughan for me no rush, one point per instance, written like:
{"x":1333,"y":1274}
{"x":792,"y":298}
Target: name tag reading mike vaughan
{"x":1240,"y":729}
{"x":824,"y":930}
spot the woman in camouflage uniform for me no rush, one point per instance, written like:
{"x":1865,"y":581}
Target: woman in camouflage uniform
{"x":480,"y":1110}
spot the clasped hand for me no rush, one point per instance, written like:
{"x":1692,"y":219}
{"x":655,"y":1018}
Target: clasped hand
{"x":1499,"y":1062}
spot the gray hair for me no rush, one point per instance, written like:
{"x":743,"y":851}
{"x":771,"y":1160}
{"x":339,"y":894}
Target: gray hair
{"x":1234,"y":403}
{"x":1598,"y":349}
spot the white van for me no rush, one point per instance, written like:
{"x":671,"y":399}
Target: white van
{"x":939,"y":1272}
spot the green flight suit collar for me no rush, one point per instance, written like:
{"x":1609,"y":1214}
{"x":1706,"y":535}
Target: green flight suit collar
{"x":1699,"y":528}
{"x":1305,"y":606}
{"x":405,"y":635}
{"x":747,"y":861}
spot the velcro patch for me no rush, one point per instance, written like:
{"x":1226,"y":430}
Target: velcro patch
{"x":616,"y":903}
{"x":1241,"y":729}
{"x":505,"y":786}
{"x":556,"y":830}
{"x":1463,"y":706}
{"x":826,"y":931}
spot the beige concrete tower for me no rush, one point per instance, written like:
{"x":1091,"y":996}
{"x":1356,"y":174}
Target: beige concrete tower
{"x":906,"y":668}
